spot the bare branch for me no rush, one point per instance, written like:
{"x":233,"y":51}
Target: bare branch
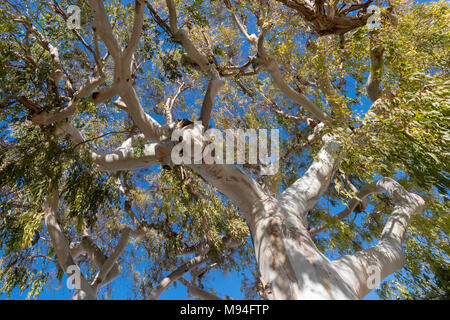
{"x":182,"y":37}
{"x":277,"y":109}
{"x":175,"y":275}
{"x":98,"y":258}
{"x":252,"y":38}
{"x":231,"y":181}
{"x":172,"y":16}
{"x":122,"y":71}
{"x":126,"y":158}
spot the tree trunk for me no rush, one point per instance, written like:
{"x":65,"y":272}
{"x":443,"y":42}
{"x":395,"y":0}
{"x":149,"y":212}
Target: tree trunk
{"x":290,"y":264}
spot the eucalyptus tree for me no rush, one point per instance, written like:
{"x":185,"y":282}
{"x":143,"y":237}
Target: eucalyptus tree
{"x":91,"y":96}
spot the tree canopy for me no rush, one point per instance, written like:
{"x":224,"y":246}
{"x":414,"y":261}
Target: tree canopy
{"x":72,"y":99}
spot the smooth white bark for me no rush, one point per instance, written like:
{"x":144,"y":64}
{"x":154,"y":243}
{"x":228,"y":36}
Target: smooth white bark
{"x":303,"y":194}
{"x":61,"y":245}
{"x":387,"y":256}
{"x":67,"y":252}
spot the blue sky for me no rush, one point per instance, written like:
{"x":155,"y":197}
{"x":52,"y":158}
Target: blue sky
{"x":228,"y":285}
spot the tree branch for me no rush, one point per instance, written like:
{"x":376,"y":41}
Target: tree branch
{"x":182,"y":37}
{"x":387,"y":256}
{"x":170,"y":102}
{"x":61,"y":244}
{"x":196,"y":292}
{"x":135,"y":33}
{"x":46,"y":118}
{"x":272,"y":67}
{"x":127,"y":158}
{"x":111,"y":261}
{"x":213,"y":88}
{"x":331,"y":21}
{"x":252,"y":38}
{"x":122,"y":69}
{"x":98,"y":258}
{"x":360,"y":197}
{"x":376,"y":65}
{"x":303,"y":194}
{"x":175,"y":275}
{"x":102,"y":26}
